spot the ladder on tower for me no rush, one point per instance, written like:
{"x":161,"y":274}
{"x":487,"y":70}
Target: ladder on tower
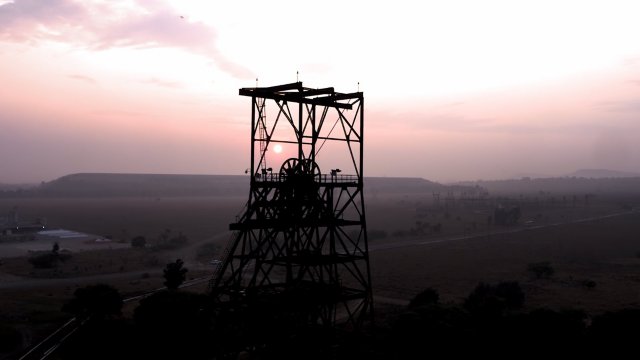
{"x":262,"y":132}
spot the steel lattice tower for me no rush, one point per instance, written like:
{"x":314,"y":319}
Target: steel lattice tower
{"x":302,"y":239}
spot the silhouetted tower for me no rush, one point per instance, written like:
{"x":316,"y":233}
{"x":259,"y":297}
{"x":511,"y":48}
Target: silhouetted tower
{"x":13,"y":218}
{"x":302,"y":240}
{"x":436,"y":199}
{"x":450,"y":199}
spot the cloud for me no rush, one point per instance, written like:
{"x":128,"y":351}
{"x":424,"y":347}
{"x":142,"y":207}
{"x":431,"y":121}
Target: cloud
{"x":32,"y":19}
{"x":457,"y":123}
{"x":620,"y":106}
{"x":632,"y":61}
{"x":99,"y":26}
{"x":82,"y":78}
{"x":162,"y":83}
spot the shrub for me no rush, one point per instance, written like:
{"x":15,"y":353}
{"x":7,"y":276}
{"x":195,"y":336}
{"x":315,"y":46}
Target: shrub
{"x":138,"y":242}
{"x":493,"y":300}
{"x":554,"y":328}
{"x":376,"y":234}
{"x":98,"y":300}
{"x":10,"y":338}
{"x":207,"y":250}
{"x":45,"y":260}
{"x":427,"y":296}
{"x":48,"y":260}
{"x":152,"y":261}
{"x":166,"y":240}
{"x":399,"y":233}
{"x":176,"y":325}
{"x":619,"y":327}
{"x":174,"y":274}
{"x":541,"y":269}
{"x":512,"y":294}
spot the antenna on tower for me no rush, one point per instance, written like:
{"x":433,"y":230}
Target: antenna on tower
{"x":297,"y":76}
{"x":358,"y":86}
{"x":256,"y":82}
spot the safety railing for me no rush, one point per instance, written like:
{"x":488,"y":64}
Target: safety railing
{"x":321,"y":178}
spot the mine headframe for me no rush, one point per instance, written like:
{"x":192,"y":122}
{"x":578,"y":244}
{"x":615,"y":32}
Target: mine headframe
{"x":301,"y":243}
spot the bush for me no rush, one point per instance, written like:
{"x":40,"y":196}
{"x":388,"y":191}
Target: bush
{"x":174,"y":274}
{"x":541,"y":269}
{"x":512,"y":294}
{"x":399,"y":233}
{"x":167,"y":240}
{"x":44,"y":260}
{"x":493,"y":300}
{"x":619,"y":327}
{"x":207,"y":250}
{"x":48,"y":260}
{"x":552,"y":329}
{"x":10,"y":339}
{"x":589,"y":284}
{"x":376,"y":234}
{"x":152,"y":261}
{"x":98,"y":301}
{"x":428,"y":296}
{"x":138,"y":242}
{"x":174,"y":324}
{"x":425,"y":332}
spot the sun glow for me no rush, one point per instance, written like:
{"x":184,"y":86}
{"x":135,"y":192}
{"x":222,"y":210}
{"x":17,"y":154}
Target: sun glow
{"x":277,"y":148}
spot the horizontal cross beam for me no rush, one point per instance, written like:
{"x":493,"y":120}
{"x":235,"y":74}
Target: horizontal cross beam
{"x":295,"y":92}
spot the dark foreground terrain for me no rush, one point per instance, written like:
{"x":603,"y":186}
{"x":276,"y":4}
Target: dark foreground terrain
{"x":566,"y":274}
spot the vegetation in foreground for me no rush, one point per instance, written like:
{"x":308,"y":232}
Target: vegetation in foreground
{"x":490,"y":321}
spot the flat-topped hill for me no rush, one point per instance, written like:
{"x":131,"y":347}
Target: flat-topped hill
{"x":173,"y":185}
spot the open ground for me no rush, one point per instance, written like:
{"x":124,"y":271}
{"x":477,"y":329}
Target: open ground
{"x":410,"y":252}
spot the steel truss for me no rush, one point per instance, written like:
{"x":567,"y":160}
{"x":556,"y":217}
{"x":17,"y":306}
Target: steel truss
{"x":301,"y":243}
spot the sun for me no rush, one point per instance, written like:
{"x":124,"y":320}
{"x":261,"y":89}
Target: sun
{"x":277,"y":148}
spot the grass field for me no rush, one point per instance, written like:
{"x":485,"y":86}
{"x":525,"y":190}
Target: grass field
{"x":604,"y":251}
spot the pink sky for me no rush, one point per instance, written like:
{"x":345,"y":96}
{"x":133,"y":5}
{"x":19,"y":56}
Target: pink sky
{"x":453,"y":90}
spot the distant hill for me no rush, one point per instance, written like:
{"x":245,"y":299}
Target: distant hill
{"x":166,"y":185}
{"x":148,"y":185}
{"x":602,"y":174}
{"x":561,"y":185}
{"x":15,"y":187}
{"x":383,"y":185}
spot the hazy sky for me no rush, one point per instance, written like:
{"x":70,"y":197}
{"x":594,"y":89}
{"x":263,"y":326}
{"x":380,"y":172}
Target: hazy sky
{"x":453,"y":89}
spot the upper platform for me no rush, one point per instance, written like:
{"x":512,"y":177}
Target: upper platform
{"x":295,"y":92}
{"x":321,"y":179}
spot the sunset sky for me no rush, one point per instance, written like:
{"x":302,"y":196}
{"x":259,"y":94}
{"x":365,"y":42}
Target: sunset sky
{"x":454,"y":90}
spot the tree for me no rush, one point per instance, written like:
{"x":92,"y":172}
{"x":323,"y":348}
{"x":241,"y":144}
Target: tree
{"x":10,"y":338}
{"x":174,"y":274}
{"x":541,"y":269}
{"x":511,"y":293}
{"x":176,"y":324}
{"x":428,"y":296}
{"x":98,"y":301}
{"x":48,"y":260}
{"x":44,"y":260}
{"x":489,"y":300}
